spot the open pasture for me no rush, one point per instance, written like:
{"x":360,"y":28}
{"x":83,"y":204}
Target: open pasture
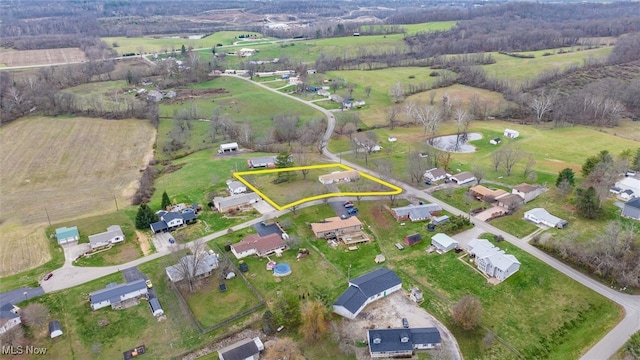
{"x":58,"y":169}
{"x":40,"y":57}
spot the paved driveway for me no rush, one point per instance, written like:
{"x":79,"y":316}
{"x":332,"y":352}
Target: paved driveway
{"x":73,"y":250}
{"x":339,"y":208}
{"x":133,"y":274}
{"x":18,"y":295}
{"x":264,"y":230}
{"x":161,"y":241}
{"x":263,"y":207}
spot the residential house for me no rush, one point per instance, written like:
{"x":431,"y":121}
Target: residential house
{"x":154,"y":306}
{"x":510,"y":201}
{"x":247,"y":349}
{"x":511,"y":134}
{"x":390,"y":343}
{"x":335,"y":226}
{"x":412,"y":239}
{"x":527,"y":192}
{"x":629,"y":183}
{"x":542,"y":216}
{"x":246,"y":52}
{"x":170,"y":220}
{"x":254,"y":244}
{"x":55,"y":329}
{"x":67,"y":234}
{"x":113,"y":235}
{"x":262,"y":162}
{"x":436,"y":174}
{"x":229,"y":147}
{"x":463,"y":178}
{"x":631,"y":209}
{"x":9,"y":317}
{"x":416,"y":212}
{"x":627,"y":195}
{"x":236,"y":187}
{"x":339,"y":177}
{"x":337,"y":98}
{"x":440,"y":219}
{"x":443,"y":243}
{"x":323,"y":92}
{"x":366,"y":289}
{"x":481,"y":193}
{"x":241,"y":201}
{"x":492,"y":261}
{"x":208,"y":262}
{"x":118,"y":295}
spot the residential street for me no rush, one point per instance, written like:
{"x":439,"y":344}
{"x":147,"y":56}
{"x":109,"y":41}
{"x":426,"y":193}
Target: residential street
{"x":70,"y":276}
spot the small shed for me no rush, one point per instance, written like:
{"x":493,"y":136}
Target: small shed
{"x":55,"y":329}
{"x":440,"y":219}
{"x":443,"y":242}
{"x":510,"y":133}
{"x":412,"y":239}
{"x":229,"y":147}
{"x":155,"y":307}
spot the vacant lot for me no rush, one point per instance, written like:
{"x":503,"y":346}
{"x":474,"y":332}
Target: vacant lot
{"x":58,"y":169}
{"x":40,"y":57}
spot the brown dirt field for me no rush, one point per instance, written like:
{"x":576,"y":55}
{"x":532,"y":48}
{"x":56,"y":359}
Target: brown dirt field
{"x":57,"y":169}
{"x":41,"y":57}
{"x":32,"y":251}
{"x":144,"y":243}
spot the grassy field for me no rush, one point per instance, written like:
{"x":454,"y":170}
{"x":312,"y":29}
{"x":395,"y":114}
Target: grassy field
{"x":91,"y":164}
{"x":101,"y":96}
{"x":161,"y":44}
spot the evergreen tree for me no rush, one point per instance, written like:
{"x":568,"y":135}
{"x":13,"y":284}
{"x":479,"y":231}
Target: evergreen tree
{"x":165,"y":201}
{"x":284,"y":160}
{"x":145,"y":217}
{"x":268,"y":323}
{"x":588,"y":203}
{"x":635,"y":163}
{"x":568,"y":175}
{"x":183,"y":50}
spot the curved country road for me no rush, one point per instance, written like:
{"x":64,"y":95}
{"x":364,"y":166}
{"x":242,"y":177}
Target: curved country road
{"x":70,"y":276}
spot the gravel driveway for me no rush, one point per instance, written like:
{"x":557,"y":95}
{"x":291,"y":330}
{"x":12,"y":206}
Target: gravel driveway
{"x":388,"y":313}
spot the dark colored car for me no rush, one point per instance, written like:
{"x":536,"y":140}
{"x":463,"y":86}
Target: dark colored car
{"x":348,"y":202}
{"x":405,"y":323}
{"x":171,"y":241}
{"x":352,"y":211}
{"x":48,"y":276}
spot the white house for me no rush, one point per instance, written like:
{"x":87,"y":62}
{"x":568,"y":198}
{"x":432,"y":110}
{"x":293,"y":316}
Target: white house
{"x":512,"y":134}
{"x":443,"y":243}
{"x":224,"y":204}
{"x":435,"y":174}
{"x":247,"y":349}
{"x":366,"y":289}
{"x":113,"y":235}
{"x":254,"y":244}
{"x":542,"y":216}
{"x":9,"y":317}
{"x":339,"y":177}
{"x":236,"y":187}
{"x":204,"y":267}
{"x":463,"y":178}
{"x":629,"y":183}
{"x":115,"y":294}
{"x":492,"y":261}
{"x":389,"y":343}
{"x":527,"y":192}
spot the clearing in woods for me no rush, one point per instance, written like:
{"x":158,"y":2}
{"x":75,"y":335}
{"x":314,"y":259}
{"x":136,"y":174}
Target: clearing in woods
{"x":41,"y":57}
{"x":57,"y":169}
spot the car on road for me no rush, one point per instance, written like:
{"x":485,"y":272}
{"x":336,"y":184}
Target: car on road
{"x":48,"y":276}
{"x":348,"y":202}
{"x":149,"y":283}
{"x":352,"y":211}
{"x":405,"y":323}
{"x":171,"y":241}
{"x":348,"y":206}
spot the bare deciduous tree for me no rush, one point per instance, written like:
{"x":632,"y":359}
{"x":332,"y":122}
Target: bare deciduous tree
{"x":397,"y":92}
{"x":35,"y":315}
{"x":392,"y":116}
{"x":542,"y":103}
{"x":467,"y":312}
{"x":188,"y":266}
{"x":284,"y":348}
{"x":314,"y":321}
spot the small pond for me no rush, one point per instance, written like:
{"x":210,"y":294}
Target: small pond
{"x":455,"y":143}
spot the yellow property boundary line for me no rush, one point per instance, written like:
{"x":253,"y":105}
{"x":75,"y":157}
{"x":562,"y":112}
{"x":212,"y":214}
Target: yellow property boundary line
{"x":239,"y":175}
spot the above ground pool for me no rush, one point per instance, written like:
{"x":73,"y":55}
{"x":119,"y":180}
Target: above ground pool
{"x":281,"y":270}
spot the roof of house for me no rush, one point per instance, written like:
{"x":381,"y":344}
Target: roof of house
{"x":628,"y":192}
{"x":8,"y":315}
{"x":229,"y":145}
{"x":112,"y":231}
{"x":239,"y":351}
{"x":634,"y":203}
{"x":158,"y":226}
{"x":170,"y":215}
{"x":263,"y":160}
{"x":67,"y":232}
{"x":542,"y":214}
{"x":155,"y":304}
{"x":113,"y":293}
{"x":484,"y":191}
{"x":437,"y":172}
{"x":483,"y":249}
{"x":525,"y":188}
{"x":390,"y":339}
{"x":460,"y":177}
{"x":188,"y":216}
{"x":207,"y":263}
{"x":8,"y":307}
{"x":443,"y":239}
{"x":365,"y":286}
{"x":629,"y":182}
{"x":417,"y":211}
{"x":507,"y":198}
{"x":234,"y":185}
{"x":235,"y":200}
{"x":54,"y":325}
{"x":335,"y":223}
{"x":351,"y":174}
{"x":260,"y":243}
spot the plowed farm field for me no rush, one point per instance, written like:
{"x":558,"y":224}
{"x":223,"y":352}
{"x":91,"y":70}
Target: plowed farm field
{"x":59,"y":169}
{"x":10,"y":58}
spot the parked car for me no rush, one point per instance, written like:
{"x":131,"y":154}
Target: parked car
{"x":405,"y":323}
{"x":48,"y":276}
{"x":630,"y":173}
{"x":428,"y":182}
{"x":348,"y":202}
{"x":352,"y":211}
{"x":171,"y":241}
{"x":149,"y":284}
{"x":348,"y":206}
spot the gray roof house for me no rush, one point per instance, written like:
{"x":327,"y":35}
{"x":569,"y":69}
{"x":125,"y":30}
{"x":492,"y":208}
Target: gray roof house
{"x":114,"y":295}
{"x":388,"y":343}
{"x":224,"y":204}
{"x":247,"y":349}
{"x":463,"y":178}
{"x":113,"y":235}
{"x":170,"y":220}
{"x":236,"y":187}
{"x":542,"y":216}
{"x":205,"y":266}
{"x":9,"y":318}
{"x":435,"y":174}
{"x":631,"y":209}
{"x":366,"y":289}
{"x":416,"y":212}
{"x":492,"y":261}
{"x":260,"y":162}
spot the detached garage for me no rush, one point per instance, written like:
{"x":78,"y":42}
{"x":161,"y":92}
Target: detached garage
{"x":443,"y":243}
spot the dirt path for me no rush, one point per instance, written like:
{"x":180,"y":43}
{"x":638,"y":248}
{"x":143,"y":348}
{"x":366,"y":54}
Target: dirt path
{"x":144,"y":243}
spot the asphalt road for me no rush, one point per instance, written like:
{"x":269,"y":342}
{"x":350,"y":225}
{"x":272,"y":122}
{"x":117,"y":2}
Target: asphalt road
{"x":69,"y":276}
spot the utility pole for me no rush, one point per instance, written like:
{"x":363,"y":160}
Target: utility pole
{"x":116,"y":201}
{"x":48,"y":219}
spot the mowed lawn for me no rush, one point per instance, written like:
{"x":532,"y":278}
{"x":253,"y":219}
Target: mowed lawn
{"x":57,"y":169}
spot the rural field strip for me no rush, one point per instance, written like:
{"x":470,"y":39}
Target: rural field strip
{"x":239,"y":175}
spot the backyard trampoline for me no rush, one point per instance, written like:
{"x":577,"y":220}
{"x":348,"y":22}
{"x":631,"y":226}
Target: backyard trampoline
{"x":281,"y":270}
